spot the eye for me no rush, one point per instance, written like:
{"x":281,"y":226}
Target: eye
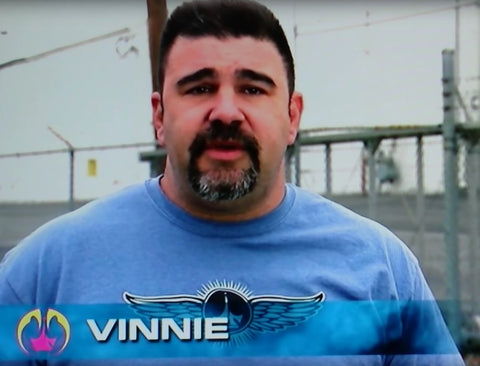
{"x":252,"y":90}
{"x":200,"y":89}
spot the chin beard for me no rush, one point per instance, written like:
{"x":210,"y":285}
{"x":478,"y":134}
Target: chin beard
{"x":223,"y":184}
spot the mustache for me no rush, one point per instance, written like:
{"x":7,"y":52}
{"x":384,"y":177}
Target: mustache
{"x":222,"y":132}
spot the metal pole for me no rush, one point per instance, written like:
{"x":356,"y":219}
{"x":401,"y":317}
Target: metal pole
{"x":450,"y":148}
{"x":328,"y":168}
{"x":71,"y":199}
{"x":421,"y":201}
{"x":472,"y":182}
{"x":71,"y":152}
{"x":288,"y":163}
{"x":297,"y":162}
{"x":363,"y":178}
{"x":372,"y":146}
{"x":456,"y":60}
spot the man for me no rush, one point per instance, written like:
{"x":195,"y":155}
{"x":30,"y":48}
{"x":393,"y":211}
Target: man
{"x":280,"y":276}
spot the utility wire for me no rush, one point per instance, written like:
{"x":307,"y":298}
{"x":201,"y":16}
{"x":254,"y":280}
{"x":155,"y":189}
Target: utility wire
{"x":39,"y":56}
{"x":386,"y":20}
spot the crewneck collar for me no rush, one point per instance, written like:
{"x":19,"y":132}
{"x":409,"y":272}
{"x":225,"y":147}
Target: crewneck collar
{"x":179,"y":217}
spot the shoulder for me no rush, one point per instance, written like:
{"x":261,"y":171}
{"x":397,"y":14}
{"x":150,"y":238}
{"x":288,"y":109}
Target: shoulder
{"x":326,"y":214}
{"x":361,"y":240}
{"x":109,"y":209}
{"x":60,"y":244}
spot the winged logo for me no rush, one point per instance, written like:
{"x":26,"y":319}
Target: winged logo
{"x":43,"y":331}
{"x":247,"y":315}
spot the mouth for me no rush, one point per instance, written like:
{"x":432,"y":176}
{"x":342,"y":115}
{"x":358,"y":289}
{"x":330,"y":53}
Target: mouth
{"x":225,"y":150}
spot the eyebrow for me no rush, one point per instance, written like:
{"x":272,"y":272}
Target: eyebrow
{"x":196,"y":76}
{"x":255,"y":76}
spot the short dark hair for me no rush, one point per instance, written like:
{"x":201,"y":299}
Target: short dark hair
{"x":222,"y":19}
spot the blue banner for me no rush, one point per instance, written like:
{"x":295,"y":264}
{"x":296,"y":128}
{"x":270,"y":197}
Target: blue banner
{"x":274,"y":329}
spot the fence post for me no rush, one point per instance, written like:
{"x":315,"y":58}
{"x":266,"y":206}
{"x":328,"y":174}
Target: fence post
{"x":296,"y":155}
{"x":71,"y":154}
{"x":71,"y":197}
{"x":372,"y":146}
{"x":473,"y":185}
{"x":450,"y":148}
{"x":328,"y":168}
{"x":421,"y":201}
{"x":288,"y":164}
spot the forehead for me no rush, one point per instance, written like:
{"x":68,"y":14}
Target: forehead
{"x":225,"y":55}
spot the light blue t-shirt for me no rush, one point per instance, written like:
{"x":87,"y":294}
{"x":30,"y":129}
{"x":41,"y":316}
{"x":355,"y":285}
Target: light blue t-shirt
{"x":308,"y":258}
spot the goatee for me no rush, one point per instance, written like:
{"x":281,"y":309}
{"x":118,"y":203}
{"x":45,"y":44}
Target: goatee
{"x":223,"y":183}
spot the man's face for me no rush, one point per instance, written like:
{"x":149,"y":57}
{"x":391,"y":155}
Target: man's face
{"x":225,"y":116}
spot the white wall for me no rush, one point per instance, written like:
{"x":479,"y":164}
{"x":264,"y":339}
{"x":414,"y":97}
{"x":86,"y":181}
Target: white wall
{"x":89,"y":94}
{"x":351,"y":74}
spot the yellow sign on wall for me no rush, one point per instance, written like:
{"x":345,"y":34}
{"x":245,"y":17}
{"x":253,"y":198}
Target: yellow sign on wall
{"x":92,"y":167}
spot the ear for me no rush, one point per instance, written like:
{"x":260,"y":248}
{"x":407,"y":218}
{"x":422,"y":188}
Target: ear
{"x":295,"y":112}
{"x":157,"y":117}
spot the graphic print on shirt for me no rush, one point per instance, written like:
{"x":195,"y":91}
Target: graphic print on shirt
{"x":247,"y":315}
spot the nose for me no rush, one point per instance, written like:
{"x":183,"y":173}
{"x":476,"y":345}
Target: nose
{"x":226,"y":108}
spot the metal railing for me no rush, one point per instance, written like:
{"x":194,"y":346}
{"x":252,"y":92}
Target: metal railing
{"x":453,"y":134}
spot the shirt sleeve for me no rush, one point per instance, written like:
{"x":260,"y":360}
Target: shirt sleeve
{"x":425,"y":339}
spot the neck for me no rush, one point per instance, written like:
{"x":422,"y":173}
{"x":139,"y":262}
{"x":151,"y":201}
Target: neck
{"x":263,"y":199}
